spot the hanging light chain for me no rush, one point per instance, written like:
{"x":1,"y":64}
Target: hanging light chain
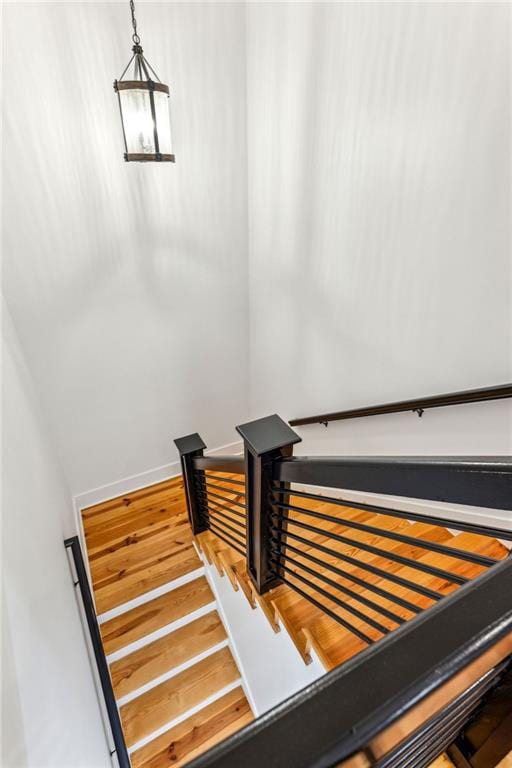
{"x":135,"y":37}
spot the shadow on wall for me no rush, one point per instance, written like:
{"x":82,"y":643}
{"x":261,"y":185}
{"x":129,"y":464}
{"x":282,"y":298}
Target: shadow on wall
{"x":125,"y":280}
{"x":379,"y":202}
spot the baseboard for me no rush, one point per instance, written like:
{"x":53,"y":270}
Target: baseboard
{"x":142,"y":480}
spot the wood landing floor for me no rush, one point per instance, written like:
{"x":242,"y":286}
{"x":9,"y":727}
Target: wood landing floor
{"x":176,"y":682}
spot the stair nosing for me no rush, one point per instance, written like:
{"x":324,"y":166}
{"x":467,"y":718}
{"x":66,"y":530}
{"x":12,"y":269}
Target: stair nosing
{"x":166,"y":629}
{"x":146,"y":597}
{"x":185,"y":715}
{"x":122,"y":700}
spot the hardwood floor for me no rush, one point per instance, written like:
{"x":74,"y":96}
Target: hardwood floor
{"x":137,"y":543}
{"x":155,"y":614}
{"x":175,"y":679}
{"x":172,"y":698}
{"x":168,"y":654}
{"x":187,"y":740}
{"x":443,"y":761}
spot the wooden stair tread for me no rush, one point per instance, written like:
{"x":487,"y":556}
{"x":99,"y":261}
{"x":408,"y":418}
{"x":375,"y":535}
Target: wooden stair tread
{"x":166,"y":701}
{"x":341,"y":649}
{"x":443,"y":761}
{"x":141,"y":621}
{"x":115,"y":509}
{"x":301,"y":613}
{"x":506,"y":762}
{"x":298,"y":613}
{"x":290,"y":599}
{"x":126,"y":510}
{"x":168,"y":652}
{"x":324,"y":526}
{"x":381,"y":523}
{"x":138,"y":542}
{"x":143,"y":540}
{"x":211,"y":545}
{"x":137,"y":554}
{"x":228,"y":561}
{"x":222,"y":488}
{"x":131,"y":496}
{"x":135,"y":544}
{"x":244,"y":583}
{"x":165,"y":569}
{"x":362,"y":556}
{"x":133,"y":525}
{"x":226,"y":517}
{"x":198,"y":733}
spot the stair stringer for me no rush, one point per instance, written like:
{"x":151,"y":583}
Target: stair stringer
{"x":270,"y":667}
{"x":228,"y":563}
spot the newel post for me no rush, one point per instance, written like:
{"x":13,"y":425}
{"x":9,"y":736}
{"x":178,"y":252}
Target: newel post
{"x":265,"y":441}
{"x":189,"y":447}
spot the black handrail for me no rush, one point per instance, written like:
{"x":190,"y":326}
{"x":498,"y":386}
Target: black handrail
{"x":233,"y":464}
{"x":446,"y":631}
{"x":339,"y":714}
{"x":417,"y":405}
{"x":480,"y":481}
{"x":99,"y":654}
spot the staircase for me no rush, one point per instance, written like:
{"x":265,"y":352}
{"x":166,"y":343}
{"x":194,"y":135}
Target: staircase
{"x":486,"y":740}
{"x":176,"y":682}
{"x":309,"y":626}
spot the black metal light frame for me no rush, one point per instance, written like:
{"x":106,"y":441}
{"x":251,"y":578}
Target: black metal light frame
{"x":145,"y":78}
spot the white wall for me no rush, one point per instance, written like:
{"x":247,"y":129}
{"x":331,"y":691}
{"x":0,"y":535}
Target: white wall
{"x":50,"y":715}
{"x":379,"y":217}
{"x":476,"y":429}
{"x":367,"y":203}
{"x":352,"y":163}
{"x":357,"y":174}
{"x":127,"y":283}
{"x":271,"y":666}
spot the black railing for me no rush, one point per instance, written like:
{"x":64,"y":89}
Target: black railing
{"x":418,"y":405}
{"x":229,"y":464}
{"x":322,"y":555}
{"x":400,"y":702}
{"x":483,"y":481}
{"x":215,"y":498}
{"x":249,"y":503}
{"x":82,"y":583}
{"x":396,"y":580}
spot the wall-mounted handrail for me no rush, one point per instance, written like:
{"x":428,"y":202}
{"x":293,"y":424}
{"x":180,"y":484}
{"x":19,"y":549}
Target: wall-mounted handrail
{"x":323,"y":724}
{"x":418,"y":405}
{"x":82,"y":583}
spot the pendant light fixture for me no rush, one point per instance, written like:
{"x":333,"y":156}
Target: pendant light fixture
{"x":143,"y":104}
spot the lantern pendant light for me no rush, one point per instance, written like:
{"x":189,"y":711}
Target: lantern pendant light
{"x":143,"y":104}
